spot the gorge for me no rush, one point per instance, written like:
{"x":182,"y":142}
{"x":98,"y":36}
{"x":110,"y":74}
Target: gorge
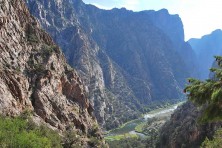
{"x":127,"y":60}
{"x":95,"y":72}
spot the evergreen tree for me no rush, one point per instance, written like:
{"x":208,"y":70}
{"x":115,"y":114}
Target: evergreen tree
{"x":208,"y":94}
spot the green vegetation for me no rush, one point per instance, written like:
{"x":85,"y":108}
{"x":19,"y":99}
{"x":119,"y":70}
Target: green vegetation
{"x":48,"y":50}
{"x":146,"y":134}
{"x":94,"y":131}
{"x":120,"y":137}
{"x":138,"y":124}
{"x":160,"y":104}
{"x":151,"y":126}
{"x":32,"y":38}
{"x":207,"y":94}
{"x":216,"y":142}
{"x":20,"y":132}
{"x":31,"y":34}
{"x":71,"y":139}
{"x":153,"y":109}
{"x":17,"y":69}
{"x":125,"y":128}
{"x":119,"y":112}
{"x":129,"y":142}
{"x":139,"y":128}
{"x":39,"y":68}
{"x":151,"y":129}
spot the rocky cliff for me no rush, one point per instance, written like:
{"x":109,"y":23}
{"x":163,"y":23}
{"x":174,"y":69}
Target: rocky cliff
{"x":184,"y":129}
{"x":34,"y":75}
{"x":126,"y":60}
{"x":206,"y":48}
{"x":172,"y":26}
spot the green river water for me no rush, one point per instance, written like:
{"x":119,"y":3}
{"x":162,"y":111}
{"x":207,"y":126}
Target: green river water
{"x":129,"y":127}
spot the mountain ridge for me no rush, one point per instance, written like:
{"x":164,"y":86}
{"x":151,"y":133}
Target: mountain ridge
{"x":206,"y":48}
{"x":114,"y":52}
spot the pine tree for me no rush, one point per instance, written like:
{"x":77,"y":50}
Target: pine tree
{"x":208,"y":94}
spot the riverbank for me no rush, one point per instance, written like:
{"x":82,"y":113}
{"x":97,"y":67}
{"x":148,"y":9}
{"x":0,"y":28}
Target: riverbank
{"x":143,"y":126}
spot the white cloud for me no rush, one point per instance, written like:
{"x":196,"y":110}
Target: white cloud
{"x":101,"y":6}
{"x":131,"y":5}
{"x":199,"y":17}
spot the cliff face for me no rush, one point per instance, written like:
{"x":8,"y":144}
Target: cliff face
{"x":172,"y":26}
{"x":34,"y":74}
{"x":125,"y":59}
{"x":205,"y":48}
{"x":184,"y":130}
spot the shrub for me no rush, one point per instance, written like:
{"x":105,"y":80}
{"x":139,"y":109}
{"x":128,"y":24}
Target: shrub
{"x":31,"y":34}
{"x":215,"y":142}
{"x":207,"y":94}
{"x":48,"y":50}
{"x":94,"y":142}
{"x":71,"y":139}
{"x":128,"y":143}
{"x":32,"y":38}
{"x":19,"y":132}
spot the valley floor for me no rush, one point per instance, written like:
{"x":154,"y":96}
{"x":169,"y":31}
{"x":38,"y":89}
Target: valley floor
{"x":143,"y":128}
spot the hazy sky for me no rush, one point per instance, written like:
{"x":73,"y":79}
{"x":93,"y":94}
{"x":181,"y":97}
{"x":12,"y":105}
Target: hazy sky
{"x":199,"y":17}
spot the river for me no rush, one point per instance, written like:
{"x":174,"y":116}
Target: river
{"x":129,"y":127}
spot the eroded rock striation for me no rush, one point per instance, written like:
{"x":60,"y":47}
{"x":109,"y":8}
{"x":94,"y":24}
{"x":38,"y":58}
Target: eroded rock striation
{"x":34,"y":74}
{"x":127,"y":59}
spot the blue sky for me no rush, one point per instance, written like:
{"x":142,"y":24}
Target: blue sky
{"x":199,"y":17}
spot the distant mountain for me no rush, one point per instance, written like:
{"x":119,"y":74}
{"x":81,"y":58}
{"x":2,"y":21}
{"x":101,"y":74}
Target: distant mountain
{"x":206,"y":48}
{"x":35,"y":78}
{"x":184,"y":128}
{"x":128,"y":60}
